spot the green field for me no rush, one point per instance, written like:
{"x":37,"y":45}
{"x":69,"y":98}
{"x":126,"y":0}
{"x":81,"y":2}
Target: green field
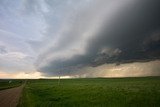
{"x":93,"y":92}
{"x":9,"y":83}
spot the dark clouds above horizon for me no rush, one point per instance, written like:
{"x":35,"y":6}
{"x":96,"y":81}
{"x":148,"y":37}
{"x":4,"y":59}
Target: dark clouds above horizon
{"x":70,"y":36}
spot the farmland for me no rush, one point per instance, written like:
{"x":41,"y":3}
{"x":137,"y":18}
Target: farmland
{"x":10,"y":83}
{"x":130,"y":92}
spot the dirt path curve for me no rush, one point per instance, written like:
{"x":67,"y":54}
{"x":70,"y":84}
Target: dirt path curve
{"x":10,"y":97}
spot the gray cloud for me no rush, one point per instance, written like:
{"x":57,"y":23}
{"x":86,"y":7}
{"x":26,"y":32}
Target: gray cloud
{"x":85,"y":34}
{"x":3,"y":50}
{"x":80,"y":38}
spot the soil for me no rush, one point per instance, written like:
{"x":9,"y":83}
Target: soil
{"x":10,"y":97}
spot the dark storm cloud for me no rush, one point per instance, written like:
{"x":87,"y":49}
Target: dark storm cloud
{"x":130,"y":30}
{"x":132,"y":35}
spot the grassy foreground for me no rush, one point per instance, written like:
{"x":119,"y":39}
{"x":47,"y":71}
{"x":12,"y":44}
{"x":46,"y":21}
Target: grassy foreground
{"x":95,"y":92}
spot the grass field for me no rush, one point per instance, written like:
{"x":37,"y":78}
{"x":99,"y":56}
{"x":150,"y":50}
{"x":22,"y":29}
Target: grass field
{"x":95,"y":92}
{"x":10,"y":83}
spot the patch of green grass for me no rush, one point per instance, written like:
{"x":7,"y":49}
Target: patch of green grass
{"x":10,"y":83}
{"x":95,"y":92}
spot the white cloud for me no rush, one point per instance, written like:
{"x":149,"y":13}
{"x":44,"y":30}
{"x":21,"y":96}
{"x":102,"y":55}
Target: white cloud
{"x":21,"y":75}
{"x":51,"y":33}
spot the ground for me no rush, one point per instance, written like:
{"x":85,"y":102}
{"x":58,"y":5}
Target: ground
{"x":10,"y":83}
{"x":121,"y":92}
{"x":10,"y":97}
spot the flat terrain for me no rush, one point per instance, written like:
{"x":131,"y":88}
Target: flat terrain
{"x":10,"y":83}
{"x":95,"y":92}
{"x":10,"y":97}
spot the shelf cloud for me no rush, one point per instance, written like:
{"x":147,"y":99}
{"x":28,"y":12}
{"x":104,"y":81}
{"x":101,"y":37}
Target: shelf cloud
{"x":74,"y":38}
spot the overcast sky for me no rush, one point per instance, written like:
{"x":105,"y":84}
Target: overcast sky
{"x":79,"y":38}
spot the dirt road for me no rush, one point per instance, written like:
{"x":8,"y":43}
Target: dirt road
{"x":10,"y":97}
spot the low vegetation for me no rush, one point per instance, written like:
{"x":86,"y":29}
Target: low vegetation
{"x":93,"y":92}
{"x":10,"y":83}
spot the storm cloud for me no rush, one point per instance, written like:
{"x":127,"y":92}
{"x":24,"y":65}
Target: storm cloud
{"x":106,"y":32}
{"x":74,"y":38}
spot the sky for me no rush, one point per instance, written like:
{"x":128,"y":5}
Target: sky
{"x":79,"y":38}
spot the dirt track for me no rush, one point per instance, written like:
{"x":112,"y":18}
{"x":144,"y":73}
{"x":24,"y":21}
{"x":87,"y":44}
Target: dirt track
{"x":10,"y":97}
